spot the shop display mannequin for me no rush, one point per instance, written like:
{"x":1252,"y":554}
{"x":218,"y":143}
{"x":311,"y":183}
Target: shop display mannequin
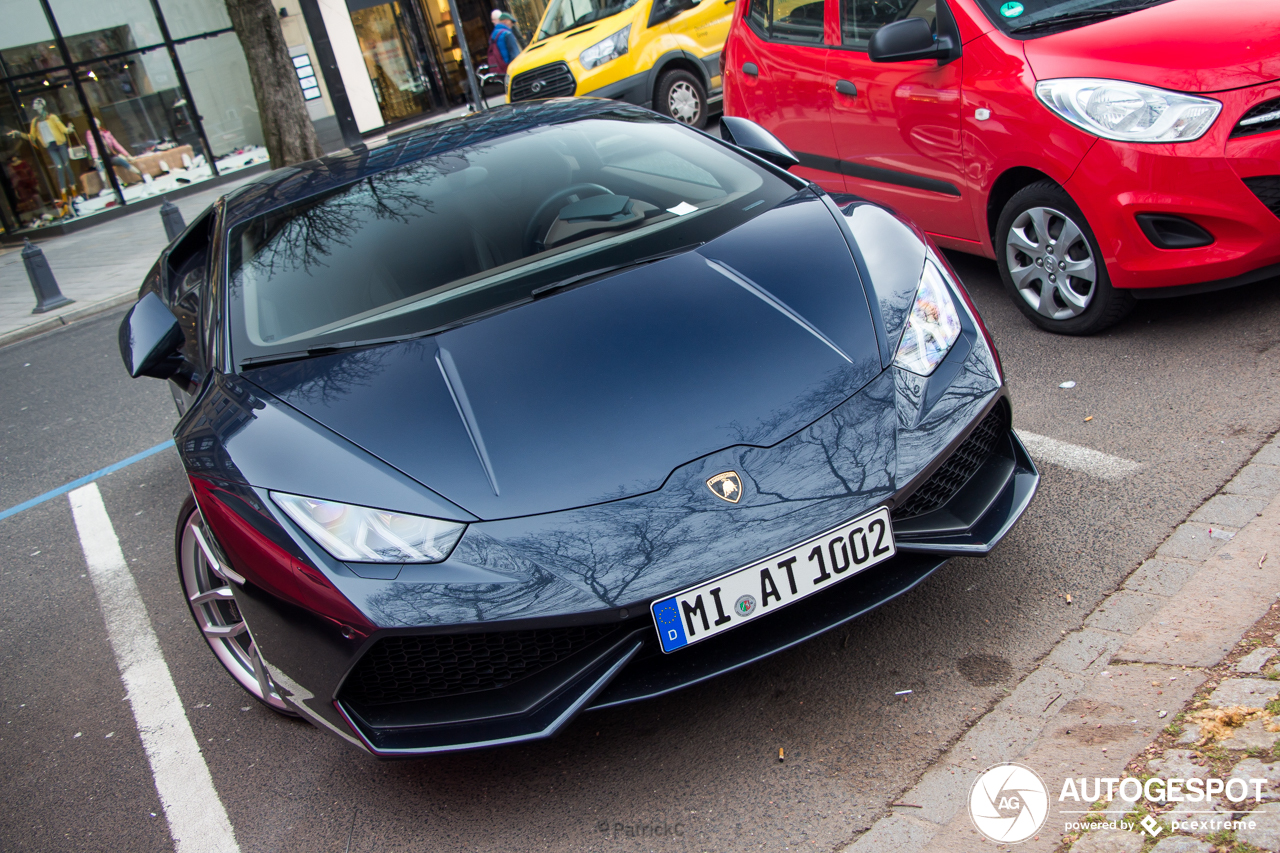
{"x":116,"y":153}
{"x":48,"y":132}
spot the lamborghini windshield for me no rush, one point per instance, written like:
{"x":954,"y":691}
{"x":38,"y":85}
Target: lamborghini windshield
{"x":425,"y":245}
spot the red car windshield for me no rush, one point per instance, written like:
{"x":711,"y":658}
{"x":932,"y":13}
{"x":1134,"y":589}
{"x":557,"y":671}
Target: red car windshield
{"x":1031,"y":18}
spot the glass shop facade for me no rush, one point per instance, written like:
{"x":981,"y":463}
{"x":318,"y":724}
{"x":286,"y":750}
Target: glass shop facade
{"x":104,"y":103}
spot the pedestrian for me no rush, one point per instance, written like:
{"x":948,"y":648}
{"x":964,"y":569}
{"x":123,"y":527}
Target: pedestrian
{"x":510,"y":21}
{"x":503,"y":46}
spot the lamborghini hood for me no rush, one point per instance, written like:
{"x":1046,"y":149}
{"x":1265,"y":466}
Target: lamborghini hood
{"x":600,"y":392}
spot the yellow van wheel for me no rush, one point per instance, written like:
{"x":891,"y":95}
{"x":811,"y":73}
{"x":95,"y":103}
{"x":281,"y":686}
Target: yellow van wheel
{"x":682,"y":96}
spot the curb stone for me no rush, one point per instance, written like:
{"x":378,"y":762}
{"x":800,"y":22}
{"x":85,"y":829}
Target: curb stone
{"x":48,"y":325}
{"x":1103,"y":694}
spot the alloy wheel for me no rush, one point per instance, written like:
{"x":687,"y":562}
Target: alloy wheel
{"x":1050,"y":263}
{"x":214,"y":607}
{"x":684,"y":103}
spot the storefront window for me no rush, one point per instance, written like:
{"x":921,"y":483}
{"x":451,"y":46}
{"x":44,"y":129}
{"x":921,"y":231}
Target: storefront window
{"x":34,"y":192}
{"x":190,"y":17}
{"x":392,"y":62}
{"x":26,"y":42}
{"x":113,"y":71}
{"x":219,"y":79}
{"x":46,"y":154}
{"x":101,"y":27}
{"x":148,"y":129}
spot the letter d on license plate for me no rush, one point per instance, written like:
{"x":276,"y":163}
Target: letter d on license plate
{"x":743,"y":594}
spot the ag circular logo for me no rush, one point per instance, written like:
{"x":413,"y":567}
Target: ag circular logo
{"x":1009,"y":803}
{"x":745,"y":605}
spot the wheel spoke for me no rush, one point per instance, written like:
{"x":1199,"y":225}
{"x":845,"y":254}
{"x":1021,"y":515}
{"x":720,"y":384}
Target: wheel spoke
{"x":1070,"y":234}
{"x":260,"y":671}
{"x":1047,"y":306}
{"x":223,"y":632}
{"x":1040,"y":218}
{"x":1084,"y":269}
{"x":1023,"y":276}
{"x":222,"y":593}
{"x":1076,"y":301}
{"x":1019,"y":240}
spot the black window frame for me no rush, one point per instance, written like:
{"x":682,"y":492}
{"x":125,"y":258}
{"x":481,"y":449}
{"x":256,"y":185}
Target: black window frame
{"x":767,"y":33}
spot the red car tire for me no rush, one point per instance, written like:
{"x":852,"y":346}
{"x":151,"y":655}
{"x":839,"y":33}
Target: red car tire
{"x":1051,"y":265}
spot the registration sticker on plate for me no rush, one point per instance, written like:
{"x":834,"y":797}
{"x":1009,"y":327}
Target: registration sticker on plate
{"x":743,"y":594}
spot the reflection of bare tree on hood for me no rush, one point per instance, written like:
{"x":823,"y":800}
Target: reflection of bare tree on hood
{"x":614,"y":554}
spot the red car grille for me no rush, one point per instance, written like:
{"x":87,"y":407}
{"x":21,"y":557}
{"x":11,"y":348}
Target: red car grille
{"x":1261,"y":118}
{"x":1267,"y":189}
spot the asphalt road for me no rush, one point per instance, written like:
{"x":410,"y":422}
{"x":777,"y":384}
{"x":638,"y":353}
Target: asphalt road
{"x":1184,"y":387}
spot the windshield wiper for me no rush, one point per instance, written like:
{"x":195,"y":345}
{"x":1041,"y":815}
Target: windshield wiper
{"x":582,"y":278}
{"x":1068,"y":18}
{"x":311,"y":352}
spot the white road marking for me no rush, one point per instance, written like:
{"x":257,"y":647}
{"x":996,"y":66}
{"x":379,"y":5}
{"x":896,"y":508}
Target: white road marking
{"x":1077,"y":458}
{"x":197,"y":820}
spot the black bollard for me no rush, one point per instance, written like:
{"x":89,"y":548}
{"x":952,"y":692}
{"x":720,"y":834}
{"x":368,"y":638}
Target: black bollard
{"x":48,"y":296}
{"x":173,"y":224}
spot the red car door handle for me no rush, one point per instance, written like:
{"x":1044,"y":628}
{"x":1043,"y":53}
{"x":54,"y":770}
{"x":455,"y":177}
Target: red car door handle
{"x":750,"y":68}
{"x":844,"y":87}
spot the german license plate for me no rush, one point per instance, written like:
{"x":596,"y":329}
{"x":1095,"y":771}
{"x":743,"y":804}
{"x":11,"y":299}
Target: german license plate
{"x":742,"y":595}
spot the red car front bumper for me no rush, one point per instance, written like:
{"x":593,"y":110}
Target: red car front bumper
{"x":1201,"y":181}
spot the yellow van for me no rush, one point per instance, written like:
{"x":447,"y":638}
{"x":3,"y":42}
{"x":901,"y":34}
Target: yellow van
{"x":663,"y":54}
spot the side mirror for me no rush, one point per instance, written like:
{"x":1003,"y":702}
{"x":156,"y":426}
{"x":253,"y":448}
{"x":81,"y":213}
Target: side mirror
{"x":908,"y":39}
{"x":749,"y":136}
{"x":150,"y":339}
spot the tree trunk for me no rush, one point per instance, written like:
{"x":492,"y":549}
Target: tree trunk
{"x":286,"y":127}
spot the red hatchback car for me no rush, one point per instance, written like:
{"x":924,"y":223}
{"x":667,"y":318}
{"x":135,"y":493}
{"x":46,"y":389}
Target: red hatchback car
{"x":1099,"y":150}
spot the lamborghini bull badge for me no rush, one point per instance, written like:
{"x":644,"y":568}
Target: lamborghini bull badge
{"x":726,"y":486}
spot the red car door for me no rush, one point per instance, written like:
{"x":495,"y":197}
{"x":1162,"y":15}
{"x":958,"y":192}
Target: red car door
{"x":780,"y":81}
{"x":897,"y":124}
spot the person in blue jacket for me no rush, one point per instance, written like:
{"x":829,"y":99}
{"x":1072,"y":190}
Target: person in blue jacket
{"x":503,"y":45}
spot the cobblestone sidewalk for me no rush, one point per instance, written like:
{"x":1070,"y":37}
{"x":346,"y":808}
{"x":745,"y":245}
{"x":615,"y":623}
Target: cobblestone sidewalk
{"x":1156,"y":661}
{"x":99,"y":267}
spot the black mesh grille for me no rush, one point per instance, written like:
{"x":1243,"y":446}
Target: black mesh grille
{"x":548,"y":81}
{"x":958,"y":468}
{"x":1267,"y":189}
{"x":399,"y":669}
{"x":1261,"y":118}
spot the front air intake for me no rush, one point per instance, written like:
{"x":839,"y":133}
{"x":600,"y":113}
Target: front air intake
{"x":943,"y":484}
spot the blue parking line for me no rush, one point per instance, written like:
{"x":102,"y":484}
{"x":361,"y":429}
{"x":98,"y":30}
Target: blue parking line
{"x":75,"y":484}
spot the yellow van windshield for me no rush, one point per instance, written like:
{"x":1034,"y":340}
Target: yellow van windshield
{"x":564,"y":15}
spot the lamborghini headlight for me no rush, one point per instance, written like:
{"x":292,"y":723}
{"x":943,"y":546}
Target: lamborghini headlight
{"x":933,"y":326}
{"x":602,"y":51}
{"x":1128,"y":112}
{"x":363,"y":535}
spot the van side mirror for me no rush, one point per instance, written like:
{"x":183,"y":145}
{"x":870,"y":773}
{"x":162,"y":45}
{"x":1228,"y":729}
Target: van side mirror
{"x":151,"y":339}
{"x":749,"y":136}
{"x":911,"y":38}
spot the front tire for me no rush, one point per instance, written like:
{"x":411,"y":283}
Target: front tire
{"x":682,"y":96}
{"x":1051,"y":265}
{"x":216,"y":614}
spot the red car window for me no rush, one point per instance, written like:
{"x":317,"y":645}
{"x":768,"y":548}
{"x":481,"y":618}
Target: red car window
{"x":859,"y":19}
{"x":787,"y":20}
